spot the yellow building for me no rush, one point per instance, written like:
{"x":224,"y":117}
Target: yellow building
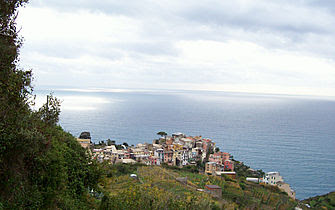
{"x":211,"y":167}
{"x":84,"y":142}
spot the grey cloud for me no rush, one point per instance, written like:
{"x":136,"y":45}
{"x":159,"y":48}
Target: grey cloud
{"x":273,"y":19}
{"x":272,"y":14}
{"x":325,"y":4}
{"x":132,"y":8}
{"x":287,"y":25}
{"x":161,"y":18}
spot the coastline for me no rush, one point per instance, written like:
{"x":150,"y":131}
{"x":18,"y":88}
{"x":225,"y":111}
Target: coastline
{"x":180,"y":150}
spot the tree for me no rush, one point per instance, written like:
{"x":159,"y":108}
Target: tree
{"x":217,"y":149}
{"x":162,"y":133}
{"x":50,"y":111}
{"x":15,"y":92}
{"x":15,"y":83}
{"x":41,"y":166}
{"x":109,"y":142}
{"x":118,"y":146}
{"x":85,"y":135}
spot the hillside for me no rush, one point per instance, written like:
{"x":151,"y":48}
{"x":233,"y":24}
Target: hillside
{"x":326,"y":201}
{"x":156,"y":187}
{"x":44,"y":167}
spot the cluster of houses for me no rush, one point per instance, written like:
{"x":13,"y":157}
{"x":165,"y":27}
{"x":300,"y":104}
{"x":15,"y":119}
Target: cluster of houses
{"x":177,"y":150}
{"x":220,"y":163}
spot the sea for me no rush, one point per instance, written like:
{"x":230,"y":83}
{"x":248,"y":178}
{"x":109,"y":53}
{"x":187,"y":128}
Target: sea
{"x":294,"y":135}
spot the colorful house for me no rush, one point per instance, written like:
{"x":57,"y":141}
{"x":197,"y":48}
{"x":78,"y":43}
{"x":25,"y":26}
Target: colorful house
{"x":168,"y":157}
{"x":211,"y":167}
{"x":228,"y":165}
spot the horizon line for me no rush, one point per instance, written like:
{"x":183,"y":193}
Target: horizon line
{"x":124,"y":90}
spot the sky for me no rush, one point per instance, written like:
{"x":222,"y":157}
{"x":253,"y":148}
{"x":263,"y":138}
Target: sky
{"x":261,"y":46}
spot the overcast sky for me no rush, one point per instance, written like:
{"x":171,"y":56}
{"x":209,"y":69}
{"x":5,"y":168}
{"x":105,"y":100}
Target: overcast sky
{"x":265,"y":46}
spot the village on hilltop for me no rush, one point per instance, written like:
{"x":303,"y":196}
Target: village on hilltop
{"x":176,"y":150}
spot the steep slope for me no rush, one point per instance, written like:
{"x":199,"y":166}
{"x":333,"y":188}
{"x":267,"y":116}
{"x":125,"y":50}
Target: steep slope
{"x":326,"y":201}
{"x":157,"y":187}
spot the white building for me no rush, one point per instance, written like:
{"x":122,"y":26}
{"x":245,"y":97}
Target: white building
{"x":185,"y":157}
{"x":111,"y":149}
{"x":160,"y":154}
{"x":272,"y":178}
{"x":252,"y":179}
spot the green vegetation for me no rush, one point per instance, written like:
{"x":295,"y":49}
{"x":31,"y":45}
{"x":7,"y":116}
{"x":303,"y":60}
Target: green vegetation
{"x":242,"y":194}
{"x":245,"y":171}
{"x":326,"y":201}
{"x":44,"y":167}
{"x":162,"y":133}
{"x":189,"y":168}
{"x":157,"y":187}
{"x":41,"y":166}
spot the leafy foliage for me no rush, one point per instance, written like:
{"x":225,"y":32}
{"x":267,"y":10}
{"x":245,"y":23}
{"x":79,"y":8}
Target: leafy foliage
{"x":189,"y":168}
{"x":50,"y":111}
{"x":162,"y":133}
{"x":326,"y":201}
{"x":41,"y":166}
{"x":155,"y":188}
{"x":245,"y":171}
{"x":121,"y":169}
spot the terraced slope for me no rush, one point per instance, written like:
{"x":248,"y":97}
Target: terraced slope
{"x":157,"y":188}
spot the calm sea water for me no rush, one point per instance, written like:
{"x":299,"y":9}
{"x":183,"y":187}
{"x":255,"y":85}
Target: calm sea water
{"x":292,"y":135}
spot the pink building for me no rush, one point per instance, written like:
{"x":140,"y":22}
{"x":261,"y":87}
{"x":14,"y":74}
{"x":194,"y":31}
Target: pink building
{"x":219,"y":157}
{"x":153,"y":160}
{"x":216,"y":157}
{"x":225,"y":156}
{"x":127,"y":155}
{"x":168,"y":155}
{"x":207,"y":144}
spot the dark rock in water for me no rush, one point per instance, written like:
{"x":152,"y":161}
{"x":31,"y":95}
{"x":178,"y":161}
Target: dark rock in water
{"x":85,"y":135}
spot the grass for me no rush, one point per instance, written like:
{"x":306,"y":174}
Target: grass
{"x":326,"y":201}
{"x":236,"y":193}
